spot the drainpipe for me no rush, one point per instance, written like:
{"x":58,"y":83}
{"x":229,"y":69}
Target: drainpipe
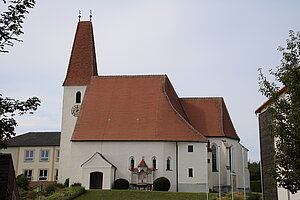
{"x":176,"y":167}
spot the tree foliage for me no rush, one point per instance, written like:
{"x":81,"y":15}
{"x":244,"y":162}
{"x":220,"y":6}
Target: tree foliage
{"x":11,"y":22}
{"x":285,"y":113}
{"x":8,"y":109}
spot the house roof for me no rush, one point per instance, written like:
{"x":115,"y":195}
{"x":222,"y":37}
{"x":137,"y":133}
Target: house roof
{"x":209,"y":116}
{"x":82,"y":64}
{"x":35,"y":139}
{"x":132,"y":108}
{"x":264,"y":105}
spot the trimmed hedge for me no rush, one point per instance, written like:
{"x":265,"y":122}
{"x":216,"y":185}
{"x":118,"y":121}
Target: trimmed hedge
{"x":121,"y":184}
{"x":66,"y":193}
{"x":255,"y":186}
{"x":161,"y":184}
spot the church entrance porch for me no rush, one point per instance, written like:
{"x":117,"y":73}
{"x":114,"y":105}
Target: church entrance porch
{"x":97,"y":172}
{"x":96,"y":180}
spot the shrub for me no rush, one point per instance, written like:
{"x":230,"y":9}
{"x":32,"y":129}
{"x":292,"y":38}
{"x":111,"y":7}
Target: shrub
{"x":161,"y":184}
{"x":22,"y":181}
{"x":76,"y":185}
{"x":121,"y":184}
{"x":66,"y":184}
{"x":66,"y":193}
{"x":49,"y":189}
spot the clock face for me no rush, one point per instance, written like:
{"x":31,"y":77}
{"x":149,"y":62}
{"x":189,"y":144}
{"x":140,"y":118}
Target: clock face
{"x":75,"y":110}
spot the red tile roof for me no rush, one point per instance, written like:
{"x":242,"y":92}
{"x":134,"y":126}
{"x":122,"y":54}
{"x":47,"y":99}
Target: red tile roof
{"x":82,"y":64}
{"x":209,"y":116}
{"x":133,"y":108}
{"x":143,"y":163}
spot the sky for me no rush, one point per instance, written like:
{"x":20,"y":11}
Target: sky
{"x":207,"y":48}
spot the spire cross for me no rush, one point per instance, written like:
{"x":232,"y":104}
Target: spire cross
{"x":79,"y":15}
{"x":90,"y":15}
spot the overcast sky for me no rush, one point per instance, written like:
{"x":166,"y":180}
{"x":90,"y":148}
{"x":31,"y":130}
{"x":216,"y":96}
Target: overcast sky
{"x":207,"y":49}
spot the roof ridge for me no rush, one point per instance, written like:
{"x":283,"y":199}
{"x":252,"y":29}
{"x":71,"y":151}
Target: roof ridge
{"x":178,"y":114}
{"x":202,"y":98}
{"x":130,"y":76}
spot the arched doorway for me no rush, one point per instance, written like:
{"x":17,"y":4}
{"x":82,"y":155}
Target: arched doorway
{"x":96,"y":180}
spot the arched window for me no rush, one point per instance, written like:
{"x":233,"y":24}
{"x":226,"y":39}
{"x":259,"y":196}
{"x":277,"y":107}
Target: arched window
{"x":168,"y":164}
{"x":154,"y":163}
{"x":131,"y":161}
{"x":78,"y":97}
{"x":214,"y":158}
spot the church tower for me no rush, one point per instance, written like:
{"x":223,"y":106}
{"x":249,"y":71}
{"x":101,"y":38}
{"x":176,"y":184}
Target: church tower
{"x":82,"y":66}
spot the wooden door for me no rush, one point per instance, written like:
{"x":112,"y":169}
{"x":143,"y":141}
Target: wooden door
{"x":96,"y":180}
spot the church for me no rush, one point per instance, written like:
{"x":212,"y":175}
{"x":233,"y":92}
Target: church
{"x":136,"y":127}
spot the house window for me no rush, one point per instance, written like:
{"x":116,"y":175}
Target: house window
{"x":29,"y":155}
{"x":56,"y":175}
{"x":131,"y":162}
{"x":57,"y":155}
{"x":44,"y":155}
{"x":190,"y":172}
{"x":190,"y":148}
{"x":28,"y":173}
{"x":43,"y":174}
{"x":214,"y":158}
{"x":154,"y":166}
{"x":168,"y":164}
{"x":78,"y":97}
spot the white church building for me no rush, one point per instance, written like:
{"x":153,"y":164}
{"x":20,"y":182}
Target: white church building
{"x":136,"y":127}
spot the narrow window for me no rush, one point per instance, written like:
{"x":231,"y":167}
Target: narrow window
{"x":190,"y":171}
{"x":78,"y":97}
{"x":57,"y":155}
{"x":28,"y":174}
{"x":44,"y":155}
{"x":168,"y":164}
{"x":43,"y":175}
{"x":29,"y":155}
{"x":190,"y":148}
{"x":131,"y":163}
{"x":154,"y":163}
{"x":56,"y":175}
{"x":230,"y":158}
{"x":214,"y":158}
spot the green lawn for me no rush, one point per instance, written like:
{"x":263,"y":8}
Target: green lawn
{"x":143,"y":195}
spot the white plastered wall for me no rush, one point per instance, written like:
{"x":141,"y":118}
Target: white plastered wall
{"x":197,"y":160}
{"x":118,"y":153}
{"x":67,"y":128}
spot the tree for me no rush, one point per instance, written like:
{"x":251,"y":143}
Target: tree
{"x":285,"y":113}
{"x":8,"y":108}
{"x":254,"y":169}
{"x":11,"y":22}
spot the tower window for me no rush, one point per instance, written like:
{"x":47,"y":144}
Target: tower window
{"x":190,"y":148}
{"x":78,"y":97}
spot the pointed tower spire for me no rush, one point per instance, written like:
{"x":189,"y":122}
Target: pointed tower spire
{"x":82,"y":64}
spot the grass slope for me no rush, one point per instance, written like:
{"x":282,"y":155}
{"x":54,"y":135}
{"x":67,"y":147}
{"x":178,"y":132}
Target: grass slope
{"x":144,"y":195}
